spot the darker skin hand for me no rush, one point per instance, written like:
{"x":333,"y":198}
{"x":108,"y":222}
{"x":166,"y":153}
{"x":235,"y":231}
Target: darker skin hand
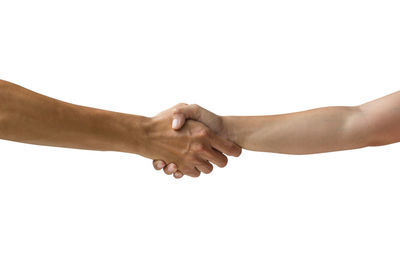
{"x":191,"y":149}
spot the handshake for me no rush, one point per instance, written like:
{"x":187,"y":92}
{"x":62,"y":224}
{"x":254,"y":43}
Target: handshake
{"x":188,"y":139}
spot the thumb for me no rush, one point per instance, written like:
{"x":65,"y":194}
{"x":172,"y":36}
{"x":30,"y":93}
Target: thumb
{"x":178,"y":121}
{"x":181,"y":114}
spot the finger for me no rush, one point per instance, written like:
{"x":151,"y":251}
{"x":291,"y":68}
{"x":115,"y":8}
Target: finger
{"x":182,"y":113}
{"x":196,"y":173}
{"x":178,"y":174}
{"x":170,"y":168}
{"x":192,"y":172}
{"x":180,"y":105}
{"x":158,"y":164}
{"x":204,"y":167}
{"x":225,"y":146}
{"x":215,"y":157}
{"x":178,"y":121}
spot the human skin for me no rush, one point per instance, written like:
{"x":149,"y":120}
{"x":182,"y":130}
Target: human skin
{"x":29,"y":117}
{"x":318,"y":130}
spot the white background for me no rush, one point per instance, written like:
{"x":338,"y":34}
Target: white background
{"x":67,"y":207}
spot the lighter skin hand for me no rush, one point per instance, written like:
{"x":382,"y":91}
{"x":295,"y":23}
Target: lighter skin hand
{"x":208,"y":147}
{"x":181,"y":113}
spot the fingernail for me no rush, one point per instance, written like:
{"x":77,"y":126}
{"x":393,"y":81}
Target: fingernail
{"x":175,"y":123}
{"x":171,"y":168}
{"x":160,"y":165}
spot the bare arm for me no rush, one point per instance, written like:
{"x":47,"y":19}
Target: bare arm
{"x":383,"y":119}
{"x":29,"y":117}
{"x":312,"y":131}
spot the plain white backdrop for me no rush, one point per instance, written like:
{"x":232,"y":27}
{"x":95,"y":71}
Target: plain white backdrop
{"x":67,"y":207}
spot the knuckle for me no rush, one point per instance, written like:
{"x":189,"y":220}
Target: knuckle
{"x":180,"y":105}
{"x":176,"y":111}
{"x":196,"y":109}
{"x":202,"y":148}
{"x":199,"y":147}
{"x":204,"y":132}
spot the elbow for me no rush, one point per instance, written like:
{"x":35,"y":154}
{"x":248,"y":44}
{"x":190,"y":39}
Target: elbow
{"x":372,"y":135}
{"x":358,"y":131}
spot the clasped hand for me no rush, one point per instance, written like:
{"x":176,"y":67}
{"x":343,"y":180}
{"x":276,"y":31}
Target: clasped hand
{"x":189,"y":147}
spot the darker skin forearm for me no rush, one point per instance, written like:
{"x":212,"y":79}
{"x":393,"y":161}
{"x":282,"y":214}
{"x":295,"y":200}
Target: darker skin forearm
{"x":29,"y":117}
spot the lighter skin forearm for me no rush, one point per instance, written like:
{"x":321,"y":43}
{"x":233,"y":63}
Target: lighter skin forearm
{"x":320,"y":130}
{"x":313,"y":131}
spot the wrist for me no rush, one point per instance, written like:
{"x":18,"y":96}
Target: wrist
{"x":239,"y":129}
{"x":127,"y":133}
{"x":229,"y":128}
{"x":145,"y":141}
